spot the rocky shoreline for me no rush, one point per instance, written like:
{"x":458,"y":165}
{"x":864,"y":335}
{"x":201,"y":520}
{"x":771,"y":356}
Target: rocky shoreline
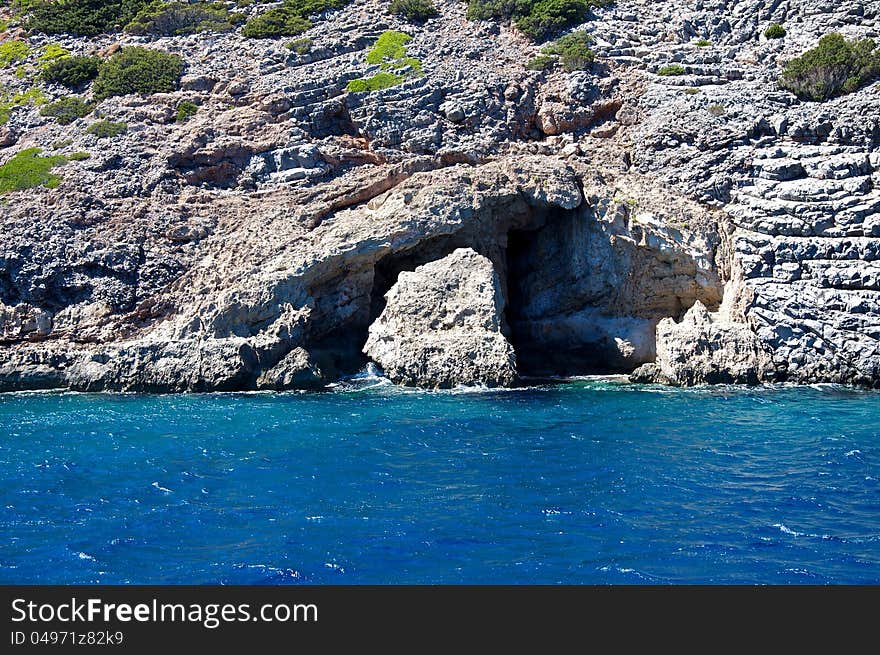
{"x":476,"y":224}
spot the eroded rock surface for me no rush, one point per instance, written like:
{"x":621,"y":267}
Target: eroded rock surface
{"x":704,"y":349}
{"x":441,"y":326}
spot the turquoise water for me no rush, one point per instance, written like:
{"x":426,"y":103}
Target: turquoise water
{"x":589,"y":482}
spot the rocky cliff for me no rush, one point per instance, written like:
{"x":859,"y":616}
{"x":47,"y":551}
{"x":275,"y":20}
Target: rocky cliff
{"x":473,"y":223}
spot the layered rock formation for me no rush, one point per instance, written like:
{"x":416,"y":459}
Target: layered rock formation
{"x":707,"y":225}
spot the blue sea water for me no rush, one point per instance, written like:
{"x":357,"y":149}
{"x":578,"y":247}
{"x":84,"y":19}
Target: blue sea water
{"x":588,"y":482}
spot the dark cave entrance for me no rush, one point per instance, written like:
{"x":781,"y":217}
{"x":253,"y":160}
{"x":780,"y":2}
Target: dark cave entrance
{"x":555,"y":289}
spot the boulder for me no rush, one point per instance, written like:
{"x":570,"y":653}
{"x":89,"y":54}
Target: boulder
{"x":441,"y":326}
{"x":703,"y":349}
{"x":297,"y":370}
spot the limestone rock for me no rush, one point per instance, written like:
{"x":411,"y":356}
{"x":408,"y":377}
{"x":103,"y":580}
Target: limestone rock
{"x":441,"y":326}
{"x":296,"y":371}
{"x":703,"y":349}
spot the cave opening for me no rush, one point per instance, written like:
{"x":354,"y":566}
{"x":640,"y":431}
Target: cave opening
{"x":558,"y":279}
{"x":561,"y":276}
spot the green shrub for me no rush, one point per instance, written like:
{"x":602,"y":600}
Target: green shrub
{"x":13,"y":52}
{"x":416,"y":11}
{"x":550,"y":16}
{"x":27,"y":170}
{"x":276,"y":22}
{"x":174,"y":18}
{"x":81,"y":17}
{"x":835,"y":67}
{"x":300,"y":46}
{"x":30,"y":97}
{"x":774,"y":31}
{"x":185,"y":111}
{"x":79,"y":156}
{"x":138,"y":70}
{"x":573,"y":50}
{"x":537,"y":19}
{"x":702,"y":43}
{"x":107,"y":129}
{"x":290,"y":19}
{"x":672,"y":69}
{"x":72,"y":72}
{"x":389,"y":52}
{"x":541,"y":62}
{"x":67,"y":110}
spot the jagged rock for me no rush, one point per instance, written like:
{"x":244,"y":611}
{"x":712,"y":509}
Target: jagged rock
{"x":441,"y":326}
{"x":296,"y":371}
{"x":703,"y":349}
{"x":453,"y":111}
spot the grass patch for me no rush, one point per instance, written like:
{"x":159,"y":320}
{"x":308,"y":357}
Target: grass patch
{"x":28,"y":169}
{"x":415,"y":11}
{"x":52,"y":54}
{"x":835,"y":67}
{"x":671,"y":70}
{"x":79,"y":156}
{"x":138,"y":70}
{"x":377,"y":82}
{"x":13,"y":52}
{"x":716,"y":109}
{"x":33,"y":96}
{"x":66,"y":110}
{"x":702,"y":43}
{"x":389,"y":53}
{"x":107,"y":129}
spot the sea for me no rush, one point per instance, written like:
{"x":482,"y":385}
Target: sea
{"x":582,"y":481}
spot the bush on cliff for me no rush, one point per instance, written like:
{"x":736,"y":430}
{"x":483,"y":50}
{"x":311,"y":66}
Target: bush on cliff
{"x":290,"y":19}
{"x":80,"y":17}
{"x":72,"y":72}
{"x":836,"y":66}
{"x":774,"y":31}
{"x":537,"y":19}
{"x":416,"y":11}
{"x":107,"y":129}
{"x":175,"y":18}
{"x":185,"y":111}
{"x":573,"y":50}
{"x":671,"y":70}
{"x":67,"y":110}
{"x":138,"y":70}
